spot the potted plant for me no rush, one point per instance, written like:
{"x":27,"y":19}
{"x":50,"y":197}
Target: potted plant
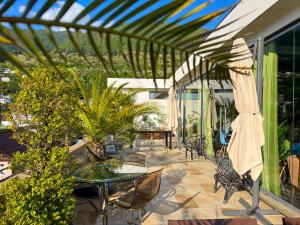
{"x":107,"y":110}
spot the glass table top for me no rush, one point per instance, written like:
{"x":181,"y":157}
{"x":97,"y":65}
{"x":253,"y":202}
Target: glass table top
{"x":103,"y":173}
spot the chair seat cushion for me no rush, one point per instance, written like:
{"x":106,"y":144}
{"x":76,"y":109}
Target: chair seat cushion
{"x":248,"y":221}
{"x":291,"y":221}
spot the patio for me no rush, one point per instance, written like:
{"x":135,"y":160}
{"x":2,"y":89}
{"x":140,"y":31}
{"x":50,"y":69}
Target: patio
{"x":186,"y":192}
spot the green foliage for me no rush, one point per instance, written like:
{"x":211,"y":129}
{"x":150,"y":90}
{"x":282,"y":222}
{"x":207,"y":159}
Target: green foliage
{"x":44,"y":119}
{"x":284,"y":145}
{"x":37,"y":162}
{"x":43,"y":113}
{"x":107,"y":110}
{"x":42,"y":201}
{"x":231,"y":111}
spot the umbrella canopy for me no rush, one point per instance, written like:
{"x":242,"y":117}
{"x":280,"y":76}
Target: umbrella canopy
{"x":213,"y":109}
{"x":172,"y":110}
{"x":244,"y":148}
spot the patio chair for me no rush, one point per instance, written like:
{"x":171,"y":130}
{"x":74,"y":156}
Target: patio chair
{"x":191,"y":146}
{"x":228,"y":178}
{"x":194,"y":145}
{"x":245,"y":221}
{"x":137,"y":159}
{"x":291,"y":221}
{"x":294,"y":170}
{"x":136,"y":145}
{"x":114,"y":148}
{"x":224,"y":144}
{"x":136,"y":198}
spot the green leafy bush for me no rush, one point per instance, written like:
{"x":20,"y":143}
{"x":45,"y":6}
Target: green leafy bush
{"x":42,"y":201}
{"x":44,"y":119}
{"x":44,"y":195}
{"x":43,"y":113}
{"x":284,"y":145}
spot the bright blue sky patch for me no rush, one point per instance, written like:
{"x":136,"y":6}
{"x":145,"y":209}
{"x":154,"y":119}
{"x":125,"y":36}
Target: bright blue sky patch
{"x":20,"y":5}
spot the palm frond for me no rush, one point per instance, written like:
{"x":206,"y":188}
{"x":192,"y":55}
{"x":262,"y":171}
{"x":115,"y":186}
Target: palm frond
{"x":108,"y":110}
{"x":149,"y":31}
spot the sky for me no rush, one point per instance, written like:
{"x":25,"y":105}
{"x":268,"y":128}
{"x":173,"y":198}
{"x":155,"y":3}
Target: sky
{"x":19,"y":6}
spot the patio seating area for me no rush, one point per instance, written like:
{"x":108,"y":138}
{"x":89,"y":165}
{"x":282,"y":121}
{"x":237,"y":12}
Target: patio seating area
{"x":186,"y":192}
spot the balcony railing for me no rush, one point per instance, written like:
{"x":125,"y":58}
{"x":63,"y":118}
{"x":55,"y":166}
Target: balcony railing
{"x":2,"y":174}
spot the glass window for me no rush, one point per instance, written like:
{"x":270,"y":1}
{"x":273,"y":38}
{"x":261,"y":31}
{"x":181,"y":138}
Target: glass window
{"x":282,"y":130}
{"x":158,"y":94}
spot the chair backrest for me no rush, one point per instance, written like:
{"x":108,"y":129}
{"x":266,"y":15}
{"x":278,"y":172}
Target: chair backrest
{"x":294,"y":169}
{"x":147,"y":188}
{"x":222,"y":138}
{"x":137,"y":144}
{"x":291,"y":221}
{"x":137,"y":159}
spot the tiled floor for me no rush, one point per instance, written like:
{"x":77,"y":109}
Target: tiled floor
{"x":186,"y":193}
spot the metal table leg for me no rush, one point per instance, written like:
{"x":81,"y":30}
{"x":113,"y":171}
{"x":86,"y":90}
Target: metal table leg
{"x":103,"y":201}
{"x":166,"y":139}
{"x":170,"y":145}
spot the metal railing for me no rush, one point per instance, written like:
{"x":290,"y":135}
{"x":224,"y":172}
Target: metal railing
{"x":7,"y":177}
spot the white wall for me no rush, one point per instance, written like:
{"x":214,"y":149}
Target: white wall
{"x":138,"y":83}
{"x":143,"y":96}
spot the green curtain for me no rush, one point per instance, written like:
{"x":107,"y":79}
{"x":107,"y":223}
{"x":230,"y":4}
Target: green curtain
{"x":271,"y":180}
{"x":189,"y":113}
{"x":207,"y":119}
{"x":207,"y":123}
{"x":255,"y":69}
{"x":199,"y":111}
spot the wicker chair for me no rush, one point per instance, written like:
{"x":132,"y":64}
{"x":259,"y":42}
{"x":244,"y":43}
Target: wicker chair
{"x":291,"y":221}
{"x":294,"y":170}
{"x":137,"y":159}
{"x":138,"y":196}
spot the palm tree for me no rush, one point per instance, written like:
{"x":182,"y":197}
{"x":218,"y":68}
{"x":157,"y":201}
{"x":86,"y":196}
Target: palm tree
{"x":107,"y":110}
{"x":150,"y":32}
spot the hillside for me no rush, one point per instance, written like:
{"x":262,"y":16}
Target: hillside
{"x":68,"y":49}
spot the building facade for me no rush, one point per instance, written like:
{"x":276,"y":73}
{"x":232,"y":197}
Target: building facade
{"x":148,"y":93}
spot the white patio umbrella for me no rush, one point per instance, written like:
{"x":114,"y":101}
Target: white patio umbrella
{"x":172,"y":110}
{"x":244,"y":148}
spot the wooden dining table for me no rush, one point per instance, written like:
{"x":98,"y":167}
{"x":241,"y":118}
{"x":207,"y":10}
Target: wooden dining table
{"x":168,"y":134}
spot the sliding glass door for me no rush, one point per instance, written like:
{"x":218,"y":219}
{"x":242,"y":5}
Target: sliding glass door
{"x":281,"y":110}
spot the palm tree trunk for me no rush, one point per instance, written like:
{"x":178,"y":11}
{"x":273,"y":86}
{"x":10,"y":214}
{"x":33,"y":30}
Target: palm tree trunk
{"x":99,"y":149}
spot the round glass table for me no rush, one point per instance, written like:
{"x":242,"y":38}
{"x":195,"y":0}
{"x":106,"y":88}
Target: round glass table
{"x":102,"y":175}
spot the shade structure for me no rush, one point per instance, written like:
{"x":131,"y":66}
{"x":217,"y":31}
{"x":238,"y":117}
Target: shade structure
{"x":213,"y":109}
{"x":244,"y":148}
{"x":172,"y":110}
